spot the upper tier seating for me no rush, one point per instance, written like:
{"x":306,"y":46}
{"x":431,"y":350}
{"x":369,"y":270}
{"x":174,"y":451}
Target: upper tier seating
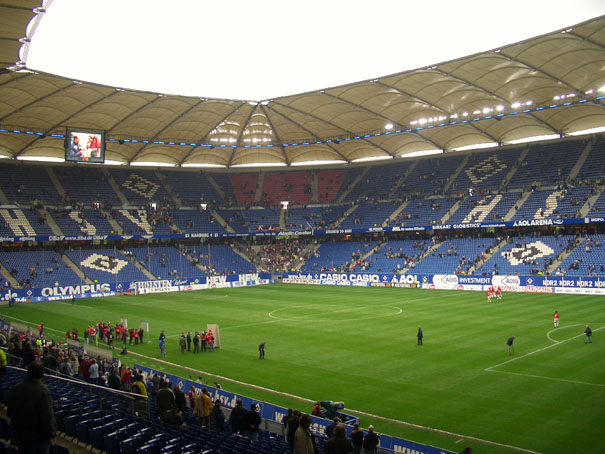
{"x":292,"y":186}
{"x":317,"y":218}
{"x":196,"y":221}
{"x":547,"y":165}
{"x":593,"y":168}
{"x":553,"y":204}
{"x":141,"y":187}
{"x":419,"y":212}
{"x":86,"y":184}
{"x":15,"y":222}
{"x":350,"y":176}
{"x":381,"y":182}
{"x":243,"y":185}
{"x":25,"y":184}
{"x":484,"y":208}
{"x":486,"y":170}
{"x":328,"y":184}
{"x":368,"y":215}
{"x":82,"y":222}
{"x":430,"y":175}
{"x":252,"y":220}
{"x":192,"y":188}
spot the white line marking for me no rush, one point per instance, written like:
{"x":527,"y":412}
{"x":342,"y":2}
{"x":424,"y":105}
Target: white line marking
{"x":462,"y":439}
{"x":559,"y":329}
{"x":549,"y":378}
{"x":33,"y":323}
{"x":539,"y":350}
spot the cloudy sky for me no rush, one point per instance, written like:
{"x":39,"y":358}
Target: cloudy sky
{"x":259,"y":50}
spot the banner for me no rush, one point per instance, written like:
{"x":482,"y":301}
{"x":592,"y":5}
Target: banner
{"x":527,"y":284}
{"x":295,"y":233}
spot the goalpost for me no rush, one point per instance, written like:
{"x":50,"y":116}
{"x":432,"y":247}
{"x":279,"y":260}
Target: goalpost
{"x":217,"y":336}
{"x":145,"y":326}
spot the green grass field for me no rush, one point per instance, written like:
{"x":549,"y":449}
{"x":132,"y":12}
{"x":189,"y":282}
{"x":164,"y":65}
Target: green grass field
{"x":358,"y":345}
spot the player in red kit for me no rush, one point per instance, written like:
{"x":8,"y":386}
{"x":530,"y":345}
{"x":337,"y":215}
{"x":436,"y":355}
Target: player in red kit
{"x":499,"y":293}
{"x":556,"y":319}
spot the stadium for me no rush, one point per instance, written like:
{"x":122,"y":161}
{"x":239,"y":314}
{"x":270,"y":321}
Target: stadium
{"x":333,"y":226}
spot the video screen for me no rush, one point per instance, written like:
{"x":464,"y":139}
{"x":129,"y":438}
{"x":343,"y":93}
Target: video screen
{"x":85,"y":146}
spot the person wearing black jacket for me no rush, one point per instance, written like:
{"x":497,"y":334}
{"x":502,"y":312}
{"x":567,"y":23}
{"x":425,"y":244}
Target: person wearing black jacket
{"x":30,"y":409}
{"x":237,"y":418}
{"x":253,"y":421}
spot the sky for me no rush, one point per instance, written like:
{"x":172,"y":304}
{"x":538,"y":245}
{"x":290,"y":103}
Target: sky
{"x":264,"y":49}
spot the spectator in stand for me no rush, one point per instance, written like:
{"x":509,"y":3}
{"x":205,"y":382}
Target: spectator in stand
{"x":291,"y":426}
{"x":203,"y":407}
{"x":93,"y":372}
{"x":218,"y":417}
{"x":371,"y":441}
{"x":165,"y":402}
{"x":304,"y":443}
{"x":357,"y":438}
{"x":339,"y":444}
{"x":237,"y":417}
{"x":252,"y":422}
{"x":30,"y":409}
{"x":113,"y":380}
{"x":331,"y":427}
{"x":180,"y":400}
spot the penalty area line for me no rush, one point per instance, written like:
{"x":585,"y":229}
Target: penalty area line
{"x":575,"y":382}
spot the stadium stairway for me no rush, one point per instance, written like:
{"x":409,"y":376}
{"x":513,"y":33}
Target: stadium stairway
{"x":580,"y":162}
{"x":259,"y":187}
{"x":169,"y":188}
{"x":216,"y":186}
{"x":395,"y":213}
{"x":117,"y":190}
{"x":58,"y":186}
{"x":51,"y":222}
{"x":585,"y":210}
{"x":346,"y":215}
{"x":513,"y":169}
{"x":426,"y":254}
{"x":518,"y":204}
{"x":451,"y":211}
{"x":453,"y":177}
{"x":136,"y":263}
{"x":564,"y":254}
{"x":221,"y":221}
{"x":346,"y":192}
{"x":76,"y":269}
{"x":3,"y":198}
{"x":494,"y":251}
{"x":116,"y":227}
{"x":8,"y":276}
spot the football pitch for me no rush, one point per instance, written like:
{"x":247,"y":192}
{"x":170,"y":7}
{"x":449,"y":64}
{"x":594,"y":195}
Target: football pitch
{"x":358,"y":345}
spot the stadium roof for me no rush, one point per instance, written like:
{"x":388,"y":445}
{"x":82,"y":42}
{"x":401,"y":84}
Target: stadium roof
{"x":549,"y":86}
